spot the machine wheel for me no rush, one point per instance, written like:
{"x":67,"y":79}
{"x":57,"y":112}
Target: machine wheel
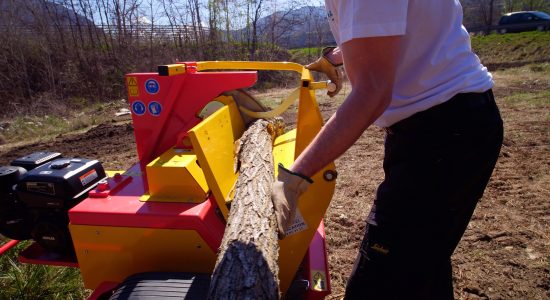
{"x":161,"y":285}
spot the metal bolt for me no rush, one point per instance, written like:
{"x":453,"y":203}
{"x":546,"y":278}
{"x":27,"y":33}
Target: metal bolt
{"x":331,"y":86}
{"x":330,"y":175}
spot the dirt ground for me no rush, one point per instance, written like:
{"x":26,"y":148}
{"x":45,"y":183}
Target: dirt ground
{"x":505,"y":252}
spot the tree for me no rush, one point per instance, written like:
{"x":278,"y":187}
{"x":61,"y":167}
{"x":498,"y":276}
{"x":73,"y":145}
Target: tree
{"x":487,"y":8}
{"x":536,"y":4}
{"x":256,"y":8}
{"x":512,"y":5}
{"x":517,"y":5}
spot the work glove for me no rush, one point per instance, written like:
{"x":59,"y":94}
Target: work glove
{"x":323,"y":65}
{"x":286,"y":191}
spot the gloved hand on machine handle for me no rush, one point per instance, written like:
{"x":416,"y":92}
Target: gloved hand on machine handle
{"x":325,"y":65}
{"x":287,"y":189}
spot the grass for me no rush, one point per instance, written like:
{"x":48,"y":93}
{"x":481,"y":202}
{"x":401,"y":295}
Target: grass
{"x":26,"y":281}
{"x":25,"y":127}
{"x":31,"y":127}
{"x":528,"y":87}
{"x":305,"y":55}
{"x":306,"y":51}
{"x":529,"y":99}
{"x":513,"y":47}
{"x":529,"y":73}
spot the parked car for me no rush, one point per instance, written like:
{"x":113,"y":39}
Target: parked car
{"x":524,"y":21}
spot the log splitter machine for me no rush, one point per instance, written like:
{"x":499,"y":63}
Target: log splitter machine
{"x":158,"y":225}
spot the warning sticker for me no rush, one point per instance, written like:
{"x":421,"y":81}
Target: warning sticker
{"x":298,"y":225}
{"x":132,"y":81}
{"x":88,"y":177}
{"x":319,"y":280}
{"x":133,"y":90}
{"x":47,"y":188}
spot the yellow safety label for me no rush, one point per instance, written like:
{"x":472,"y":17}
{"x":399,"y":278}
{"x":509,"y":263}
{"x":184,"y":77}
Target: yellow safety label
{"x":133,"y":91}
{"x":132,"y":81}
{"x":319,"y":280}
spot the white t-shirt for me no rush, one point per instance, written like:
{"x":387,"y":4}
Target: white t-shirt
{"x":435,"y":61}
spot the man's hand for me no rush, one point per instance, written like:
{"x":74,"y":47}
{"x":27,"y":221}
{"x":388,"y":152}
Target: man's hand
{"x":325,"y":65}
{"x":286,"y":191}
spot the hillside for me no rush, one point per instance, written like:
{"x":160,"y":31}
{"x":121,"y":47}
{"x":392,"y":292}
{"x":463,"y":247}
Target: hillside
{"x":303,"y":27}
{"x":31,"y":13}
{"x":498,"y":51}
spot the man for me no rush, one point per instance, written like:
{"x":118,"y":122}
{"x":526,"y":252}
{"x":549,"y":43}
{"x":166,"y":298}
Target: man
{"x":413,"y":73}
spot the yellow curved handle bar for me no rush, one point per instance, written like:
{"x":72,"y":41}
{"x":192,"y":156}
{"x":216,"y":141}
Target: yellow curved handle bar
{"x":266,"y":66}
{"x":252,"y":65}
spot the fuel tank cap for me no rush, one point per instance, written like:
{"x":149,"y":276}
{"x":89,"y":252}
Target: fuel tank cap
{"x":60,"y":164}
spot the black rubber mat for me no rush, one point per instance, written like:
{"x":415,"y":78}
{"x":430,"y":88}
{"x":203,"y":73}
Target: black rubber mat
{"x":160,"y":285}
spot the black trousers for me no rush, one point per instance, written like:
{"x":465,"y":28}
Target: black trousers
{"x":437,"y":164}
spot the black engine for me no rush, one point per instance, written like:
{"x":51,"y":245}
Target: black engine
{"x":36,"y":193}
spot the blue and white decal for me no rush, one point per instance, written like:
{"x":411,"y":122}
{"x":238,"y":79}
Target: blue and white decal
{"x":152,"y":86}
{"x":155,"y":108}
{"x":138,"y":108}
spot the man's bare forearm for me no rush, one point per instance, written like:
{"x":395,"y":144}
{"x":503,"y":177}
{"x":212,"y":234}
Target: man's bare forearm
{"x":370,"y":65}
{"x":339,"y":133}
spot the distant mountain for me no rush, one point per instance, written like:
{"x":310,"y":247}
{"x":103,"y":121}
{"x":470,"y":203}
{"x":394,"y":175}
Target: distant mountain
{"x":30,"y":13}
{"x":303,"y":27}
{"x":308,"y":26}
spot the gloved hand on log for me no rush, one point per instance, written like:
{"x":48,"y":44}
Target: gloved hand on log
{"x":329,"y":67}
{"x":287,"y":189}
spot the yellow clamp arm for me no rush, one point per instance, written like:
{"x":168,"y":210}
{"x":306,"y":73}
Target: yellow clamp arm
{"x":275,"y":112}
{"x":285,"y":104}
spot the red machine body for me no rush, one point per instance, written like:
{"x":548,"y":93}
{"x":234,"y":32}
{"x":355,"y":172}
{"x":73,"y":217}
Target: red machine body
{"x":180,"y":99}
{"x":163,"y":109}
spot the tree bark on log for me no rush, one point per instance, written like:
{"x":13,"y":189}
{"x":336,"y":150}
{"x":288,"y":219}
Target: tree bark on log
{"x":247,"y":265}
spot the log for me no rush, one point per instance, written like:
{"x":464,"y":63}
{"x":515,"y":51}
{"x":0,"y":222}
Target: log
{"x":247,"y":264}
